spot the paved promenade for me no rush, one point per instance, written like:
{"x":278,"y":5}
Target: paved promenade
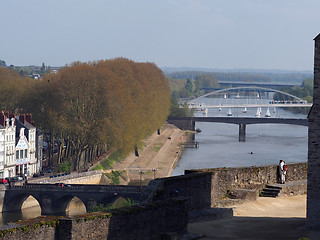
{"x":161,"y":153}
{"x":267,"y":218}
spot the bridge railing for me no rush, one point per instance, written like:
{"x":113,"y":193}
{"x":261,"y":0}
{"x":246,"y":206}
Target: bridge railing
{"x":78,"y":187}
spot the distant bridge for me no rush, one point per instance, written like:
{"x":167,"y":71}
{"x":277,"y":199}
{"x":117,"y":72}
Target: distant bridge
{"x":251,"y":88}
{"x":54,"y":200}
{"x":266,"y":85}
{"x":188,"y":123}
{"x":243,"y":105}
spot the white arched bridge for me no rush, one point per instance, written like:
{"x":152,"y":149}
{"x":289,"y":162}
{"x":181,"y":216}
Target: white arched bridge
{"x":295,"y":102}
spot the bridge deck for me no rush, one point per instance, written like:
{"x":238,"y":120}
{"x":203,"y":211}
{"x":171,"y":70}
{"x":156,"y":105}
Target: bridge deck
{"x":256,"y":105}
{"x":240,"y":120}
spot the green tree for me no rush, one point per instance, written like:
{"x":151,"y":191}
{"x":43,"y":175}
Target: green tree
{"x":2,"y":63}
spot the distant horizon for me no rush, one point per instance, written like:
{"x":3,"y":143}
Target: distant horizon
{"x":257,"y":70}
{"x":188,"y":68}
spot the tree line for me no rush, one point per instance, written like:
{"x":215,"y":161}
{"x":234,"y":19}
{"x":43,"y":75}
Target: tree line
{"x":90,"y":108}
{"x":304,"y":91}
{"x":188,"y":88}
{"x":223,"y":76}
{"x":265,"y":77}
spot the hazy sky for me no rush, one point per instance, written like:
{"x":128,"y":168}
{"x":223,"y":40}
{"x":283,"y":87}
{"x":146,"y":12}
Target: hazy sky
{"x":258,"y":34}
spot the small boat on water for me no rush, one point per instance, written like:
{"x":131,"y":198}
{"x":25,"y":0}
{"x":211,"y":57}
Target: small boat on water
{"x":229,"y":114}
{"x":245,"y":110}
{"x":258,"y":112}
{"x":274,"y":110}
{"x":204,"y":110}
{"x":268,"y":113}
{"x":219,"y":109}
{"x":225,"y":96}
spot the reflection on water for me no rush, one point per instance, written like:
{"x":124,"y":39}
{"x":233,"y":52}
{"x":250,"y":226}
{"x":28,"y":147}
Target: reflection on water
{"x":31,"y":209}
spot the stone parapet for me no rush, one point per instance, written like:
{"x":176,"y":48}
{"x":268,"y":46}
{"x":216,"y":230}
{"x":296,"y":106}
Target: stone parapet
{"x":224,"y":180}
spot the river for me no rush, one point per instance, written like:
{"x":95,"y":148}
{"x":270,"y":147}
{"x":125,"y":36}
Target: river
{"x":265,"y":143}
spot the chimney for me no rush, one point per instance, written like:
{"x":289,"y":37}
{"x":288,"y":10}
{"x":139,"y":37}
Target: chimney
{"x":22,"y":119}
{"x":29,"y":118}
{"x":12,"y":116}
{"x":2,"y":119}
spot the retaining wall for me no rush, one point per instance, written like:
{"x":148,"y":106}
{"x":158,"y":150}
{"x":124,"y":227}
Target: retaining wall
{"x":224,"y":179}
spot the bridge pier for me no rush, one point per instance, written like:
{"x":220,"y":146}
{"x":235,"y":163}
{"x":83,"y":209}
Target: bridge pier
{"x":242,"y":132}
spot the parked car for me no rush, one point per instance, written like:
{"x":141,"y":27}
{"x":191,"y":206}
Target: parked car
{"x":19,"y":178}
{"x":35,"y":175}
{"x":60,"y":185}
{"x":3,"y":180}
{"x":13,"y":179}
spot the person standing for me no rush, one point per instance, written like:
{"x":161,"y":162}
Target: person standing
{"x":283,"y":171}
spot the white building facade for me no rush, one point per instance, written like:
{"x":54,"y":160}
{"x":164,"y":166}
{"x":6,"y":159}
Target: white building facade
{"x":17,"y":146}
{"x":7,"y":146}
{"x":26,"y":161}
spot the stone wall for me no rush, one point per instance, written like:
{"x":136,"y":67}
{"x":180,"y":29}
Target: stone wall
{"x":205,"y":188}
{"x":91,"y":177}
{"x":313,"y":200}
{"x":156,"y":220}
{"x":184,"y":123}
{"x":195,"y":187}
{"x":255,"y":178}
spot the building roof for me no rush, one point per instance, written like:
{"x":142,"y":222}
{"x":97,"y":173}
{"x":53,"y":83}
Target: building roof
{"x":27,"y":125}
{"x":318,"y":36}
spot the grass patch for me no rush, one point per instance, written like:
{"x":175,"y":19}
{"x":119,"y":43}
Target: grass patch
{"x":157,"y":147}
{"x":65,"y":167}
{"x":114,"y":176}
{"x":108,"y":163}
{"x":98,"y":167}
{"x":119,"y":203}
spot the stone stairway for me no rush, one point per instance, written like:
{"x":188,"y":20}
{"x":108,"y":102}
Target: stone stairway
{"x":271,"y":191}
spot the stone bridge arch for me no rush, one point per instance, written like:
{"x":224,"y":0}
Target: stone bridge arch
{"x":54,"y":199}
{"x":15,"y":202}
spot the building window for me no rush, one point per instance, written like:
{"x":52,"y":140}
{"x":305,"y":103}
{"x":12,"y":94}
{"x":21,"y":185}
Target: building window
{"x":21,"y":154}
{"x":17,"y":154}
{"x":26,"y":153}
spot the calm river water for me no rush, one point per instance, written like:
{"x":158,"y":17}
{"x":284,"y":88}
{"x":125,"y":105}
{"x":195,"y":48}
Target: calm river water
{"x":219,"y":145}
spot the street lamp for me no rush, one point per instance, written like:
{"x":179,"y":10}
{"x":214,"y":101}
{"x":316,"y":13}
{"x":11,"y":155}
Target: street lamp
{"x":154,"y":172}
{"x":141,"y":172}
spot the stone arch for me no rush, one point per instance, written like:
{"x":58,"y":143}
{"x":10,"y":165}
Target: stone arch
{"x":14,"y":202}
{"x":75,"y":207}
{"x":61,"y":204}
{"x":239,"y":88}
{"x":122,"y":202}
